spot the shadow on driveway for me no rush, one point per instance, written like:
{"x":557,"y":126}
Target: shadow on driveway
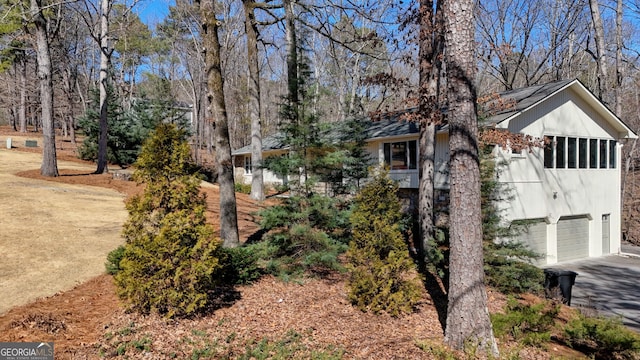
{"x":610,"y":285}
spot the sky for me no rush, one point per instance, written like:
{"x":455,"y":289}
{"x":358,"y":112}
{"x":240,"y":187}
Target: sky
{"x":152,"y":12}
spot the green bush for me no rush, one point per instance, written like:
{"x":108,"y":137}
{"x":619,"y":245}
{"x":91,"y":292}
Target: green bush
{"x":381,"y":271}
{"x":305,"y":234}
{"x":113,"y":260}
{"x":171,"y":259}
{"x":604,"y":338}
{"x":241,"y":264}
{"x":242,"y":188}
{"x":527,"y":324}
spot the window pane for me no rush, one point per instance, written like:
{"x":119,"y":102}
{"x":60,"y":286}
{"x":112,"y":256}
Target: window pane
{"x":387,"y":154}
{"x":548,"y":152}
{"x":413,"y":154}
{"x":593,"y":153}
{"x":572,"y":152}
{"x":560,"y":152}
{"x":612,"y":154}
{"x":582,"y":153}
{"x":398,"y":156}
{"x":603,"y":154}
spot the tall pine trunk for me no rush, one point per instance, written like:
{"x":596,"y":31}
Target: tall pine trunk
{"x":429,"y":115}
{"x":49,"y":161}
{"x":224,"y":164}
{"x":467,"y":313}
{"x":253,"y":88}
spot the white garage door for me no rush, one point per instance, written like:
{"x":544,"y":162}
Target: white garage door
{"x":573,"y":238}
{"x":534,"y":235}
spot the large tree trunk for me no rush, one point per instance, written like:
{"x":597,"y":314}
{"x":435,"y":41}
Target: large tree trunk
{"x":467,"y":313}
{"x":224,"y":165}
{"x":105,"y":53}
{"x":601,"y":60}
{"x":253,"y":88}
{"x":49,"y":161}
{"x":429,"y":115}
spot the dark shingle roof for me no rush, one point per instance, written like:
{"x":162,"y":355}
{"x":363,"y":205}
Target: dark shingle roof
{"x":509,"y":103}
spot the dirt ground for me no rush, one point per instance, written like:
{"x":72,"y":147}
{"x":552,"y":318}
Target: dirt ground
{"x":72,"y":221}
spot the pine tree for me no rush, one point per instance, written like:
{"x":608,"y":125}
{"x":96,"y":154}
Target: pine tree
{"x":382,"y":273}
{"x":171,"y":257}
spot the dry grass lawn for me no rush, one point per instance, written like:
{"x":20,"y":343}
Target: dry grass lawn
{"x":66,"y":229}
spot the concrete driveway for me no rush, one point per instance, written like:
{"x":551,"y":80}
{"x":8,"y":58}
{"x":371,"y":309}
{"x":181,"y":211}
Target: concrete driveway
{"x":609,"y":284}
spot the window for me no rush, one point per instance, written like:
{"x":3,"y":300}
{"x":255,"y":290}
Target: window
{"x":603,"y":154}
{"x":583,"y":157}
{"x":548,"y":152}
{"x":612,"y":154}
{"x":247,"y":165}
{"x":572,"y":152}
{"x":401,"y":155}
{"x":560,"y":152}
{"x":593,"y":153}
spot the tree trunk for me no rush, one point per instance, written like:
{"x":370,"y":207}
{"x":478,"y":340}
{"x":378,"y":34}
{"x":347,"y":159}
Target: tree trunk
{"x":224,"y":164}
{"x":429,"y":115}
{"x":22,"y":107}
{"x":49,"y":161}
{"x":619,"y":60}
{"x":105,"y":53}
{"x":292,"y":57}
{"x":467,"y":313}
{"x":253,"y":89}
{"x":601,"y":60}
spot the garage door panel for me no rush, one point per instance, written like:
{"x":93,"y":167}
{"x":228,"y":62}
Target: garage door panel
{"x":534,"y":235}
{"x":573,"y":238}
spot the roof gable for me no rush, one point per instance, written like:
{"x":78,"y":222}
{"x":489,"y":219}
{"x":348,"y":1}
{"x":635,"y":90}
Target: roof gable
{"x":510,"y":104}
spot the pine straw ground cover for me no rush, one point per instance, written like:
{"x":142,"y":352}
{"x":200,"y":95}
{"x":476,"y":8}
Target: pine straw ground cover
{"x":87,"y":321}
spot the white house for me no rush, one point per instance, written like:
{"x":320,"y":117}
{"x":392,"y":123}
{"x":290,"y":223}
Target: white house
{"x":568,"y":192}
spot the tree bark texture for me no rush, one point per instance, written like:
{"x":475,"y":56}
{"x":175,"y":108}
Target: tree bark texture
{"x":429,"y":115}
{"x":224,"y":164}
{"x":49,"y":161}
{"x":292,"y":55}
{"x":105,"y":53}
{"x":253,"y":88}
{"x":619,"y":60}
{"x":601,"y":59}
{"x":467,"y":313}
{"x":22,"y":108}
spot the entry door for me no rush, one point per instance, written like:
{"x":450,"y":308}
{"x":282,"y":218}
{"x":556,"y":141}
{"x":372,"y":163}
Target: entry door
{"x":606,"y":231}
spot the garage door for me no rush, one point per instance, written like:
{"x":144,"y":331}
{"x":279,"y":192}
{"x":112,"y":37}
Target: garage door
{"x":534,"y":235}
{"x":573,"y":238}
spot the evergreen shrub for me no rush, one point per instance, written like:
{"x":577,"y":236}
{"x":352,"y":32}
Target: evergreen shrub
{"x":171,"y":258}
{"x":382,"y":274}
{"x":113,"y":260}
{"x":602,"y":338}
{"x":527,"y":324}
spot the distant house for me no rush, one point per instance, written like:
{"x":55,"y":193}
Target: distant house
{"x":568,"y":192}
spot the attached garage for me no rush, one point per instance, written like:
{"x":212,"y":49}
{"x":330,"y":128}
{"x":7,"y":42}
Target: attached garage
{"x":534,"y":235}
{"x":573,"y":238}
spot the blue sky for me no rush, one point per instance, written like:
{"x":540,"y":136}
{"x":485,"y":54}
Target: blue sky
{"x":152,"y":12}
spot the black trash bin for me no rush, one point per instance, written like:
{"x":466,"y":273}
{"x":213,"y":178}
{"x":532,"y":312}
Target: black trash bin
{"x":558,"y":284}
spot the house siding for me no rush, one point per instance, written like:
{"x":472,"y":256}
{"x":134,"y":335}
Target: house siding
{"x":556,"y":193}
